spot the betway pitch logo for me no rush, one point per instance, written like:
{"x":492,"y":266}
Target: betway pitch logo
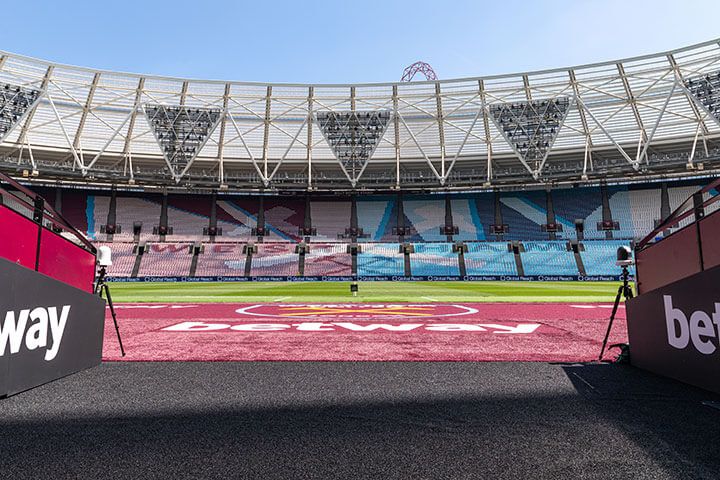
{"x":520,"y":328}
{"x":40,"y":327}
{"x":700,"y":329}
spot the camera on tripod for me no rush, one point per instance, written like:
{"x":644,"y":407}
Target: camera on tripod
{"x":624,"y":257}
{"x":104,"y":257}
{"x":624,"y":260}
{"x":103,"y":260}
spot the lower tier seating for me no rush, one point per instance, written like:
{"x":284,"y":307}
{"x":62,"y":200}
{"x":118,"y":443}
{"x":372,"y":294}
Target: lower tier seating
{"x":381,"y":259}
{"x":548,"y":258}
{"x":490,"y":258}
{"x":227,"y":260}
{"x":374,"y":259}
{"x":166,"y":259}
{"x":275,"y":260}
{"x":599,"y":257}
{"x":123,"y":258}
{"x":432,"y":259}
{"x":328,"y":259}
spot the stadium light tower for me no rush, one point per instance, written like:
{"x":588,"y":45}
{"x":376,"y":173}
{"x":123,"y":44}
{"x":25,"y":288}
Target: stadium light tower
{"x":418,"y":67}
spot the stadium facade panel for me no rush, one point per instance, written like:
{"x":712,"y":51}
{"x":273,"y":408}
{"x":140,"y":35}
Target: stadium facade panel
{"x":636,"y":118}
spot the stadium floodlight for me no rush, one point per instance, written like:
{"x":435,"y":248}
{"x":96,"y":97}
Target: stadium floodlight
{"x":353,"y":137}
{"x":181,"y":133}
{"x":705,"y":89}
{"x":531,"y":128}
{"x":15,"y":103}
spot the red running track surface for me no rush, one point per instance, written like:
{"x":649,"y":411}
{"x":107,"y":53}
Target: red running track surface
{"x":374,"y":332}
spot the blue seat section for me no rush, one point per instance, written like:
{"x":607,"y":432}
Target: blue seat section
{"x":548,"y":258}
{"x":434,"y":259}
{"x":489,"y":258}
{"x":380,"y":259}
{"x":377,"y":217}
{"x":524,"y":213}
{"x":427,"y":215}
{"x":571,"y":204}
{"x":485,"y":207}
{"x":619,"y":200}
{"x":600,"y":255}
{"x":466,"y":217}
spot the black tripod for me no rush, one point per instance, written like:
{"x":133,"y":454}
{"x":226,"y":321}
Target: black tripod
{"x":101,"y":287}
{"x":623,"y":291}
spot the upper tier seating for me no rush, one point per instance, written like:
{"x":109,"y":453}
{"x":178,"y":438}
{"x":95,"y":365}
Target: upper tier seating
{"x":23,"y":208}
{"x":467,"y":218}
{"x":620,"y":207}
{"x":74,"y":209}
{"x":434,"y":259}
{"x":635,"y":207}
{"x":328,"y":259}
{"x":571,"y":204}
{"x":644,"y":210}
{"x":490,"y":258}
{"x":128,"y":211}
{"x":237,"y":222}
{"x":377,"y":218}
{"x":676,"y":197}
{"x":330,"y":219}
{"x":713,"y":206}
{"x":426,"y":216}
{"x":186,"y":226}
{"x":548,"y":258}
{"x":524,"y":213}
{"x":284,"y":217}
{"x":381,"y":259}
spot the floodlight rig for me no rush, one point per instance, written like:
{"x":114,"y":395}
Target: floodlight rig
{"x":418,"y":67}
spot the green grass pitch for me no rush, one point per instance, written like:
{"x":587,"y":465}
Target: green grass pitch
{"x":335,"y":292}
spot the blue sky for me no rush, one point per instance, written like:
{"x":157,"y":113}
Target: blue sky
{"x":343,"y":42}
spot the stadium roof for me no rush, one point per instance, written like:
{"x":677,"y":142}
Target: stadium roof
{"x":636,"y":117}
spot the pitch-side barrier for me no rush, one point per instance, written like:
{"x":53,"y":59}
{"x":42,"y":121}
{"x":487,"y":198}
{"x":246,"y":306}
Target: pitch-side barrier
{"x":674,"y":324}
{"x":51,"y":322}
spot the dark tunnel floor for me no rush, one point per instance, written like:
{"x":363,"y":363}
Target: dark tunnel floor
{"x":360,"y":420}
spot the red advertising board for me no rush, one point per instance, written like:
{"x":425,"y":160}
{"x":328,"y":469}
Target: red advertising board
{"x":18,"y":242}
{"x":65,"y":261}
{"x":56,"y":256}
{"x":709,"y":235}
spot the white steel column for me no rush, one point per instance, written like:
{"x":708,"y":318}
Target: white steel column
{"x":29,"y":118}
{"x":633,"y":105}
{"x":441,"y":131}
{"x":221,"y":139}
{"x":131,"y":127}
{"x":587,"y":158}
{"x":486,"y":126}
{"x":86,"y":110}
{"x":311,"y":93}
{"x":266,"y":134}
{"x":396,"y":125}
